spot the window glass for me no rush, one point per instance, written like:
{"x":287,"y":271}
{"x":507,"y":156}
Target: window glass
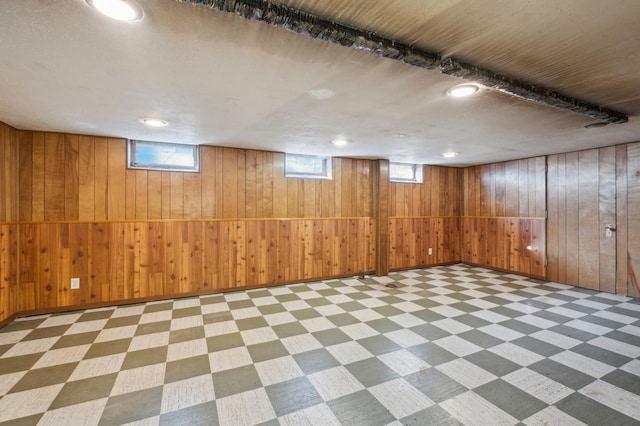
{"x":163,"y":156}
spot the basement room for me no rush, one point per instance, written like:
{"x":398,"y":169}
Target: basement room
{"x":319,"y":212}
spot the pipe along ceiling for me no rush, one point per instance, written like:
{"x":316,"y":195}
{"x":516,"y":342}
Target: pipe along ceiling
{"x":314,"y":26}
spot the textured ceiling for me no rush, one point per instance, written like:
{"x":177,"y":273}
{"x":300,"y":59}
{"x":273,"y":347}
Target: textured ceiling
{"x":220,"y":79}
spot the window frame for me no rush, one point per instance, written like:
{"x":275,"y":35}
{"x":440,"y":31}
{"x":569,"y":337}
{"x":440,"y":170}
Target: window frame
{"x":418,"y":173}
{"x":132,"y":154}
{"x":327,"y":167}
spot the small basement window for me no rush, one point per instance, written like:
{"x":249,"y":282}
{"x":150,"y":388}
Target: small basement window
{"x":163,"y":156}
{"x":307,"y":166}
{"x":405,"y":173}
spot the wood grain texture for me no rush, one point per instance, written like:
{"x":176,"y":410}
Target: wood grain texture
{"x":411,"y":238}
{"x":9,"y":212}
{"x":118,"y":261}
{"x":503,"y":226}
{"x":509,"y":244}
{"x":585,"y":194}
{"x":633,"y":220}
{"x":86,"y":178}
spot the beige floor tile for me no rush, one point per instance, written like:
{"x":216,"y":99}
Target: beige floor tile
{"x":26,"y":403}
{"x":319,"y":414}
{"x":98,"y":366}
{"x":187,"y":349}
{"x":334,"y":383}
{"x":278,"y":370}
{"x":30,"y":347}
{"x":110,"y":334}
{"x":187,"y":393}
{"x":7,"y":381}
{"x":228,"y":359}
{"x":62,"y":356}
{"x":85,"y":414}
{"x":148,"y":341}
{"x":232,"y":410}
{"x":139,"y":378}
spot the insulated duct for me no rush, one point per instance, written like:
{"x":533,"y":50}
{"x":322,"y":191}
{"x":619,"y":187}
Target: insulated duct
{"x":528,"y":91}
{"x":317,"y":27}
{"x":323,"y":29}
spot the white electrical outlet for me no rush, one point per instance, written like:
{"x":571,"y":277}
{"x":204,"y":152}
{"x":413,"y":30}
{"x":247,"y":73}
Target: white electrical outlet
{"x":430,"y":251}
{"x":75,"y":283}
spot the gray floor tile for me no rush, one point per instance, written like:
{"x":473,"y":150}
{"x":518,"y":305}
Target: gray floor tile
{"x":360,"y":408}
{"x":608,"y":357}
{"x":432,"y":353}
{"x":622,"y":379}
{"x":430,"y":332}
{"x":435,"y":384}
{"x":510,"y":399}
{"x":267,"y":350}
{"x":331,"y":337}
{"x":537,"y":346}
{"x":371,"y":372}
{"x":132,"y":406}
{"x":573,"y":333}
{"x":199,"y":415}
{"x":624,"y":337}
{"x":379,"y":344}
{"x":592,"y":412}
{"x":560,"y":373}
{"x":432,"y":416}
{"x":292,"y":395}
{"x":480,"y":338}
{"x":236,"y":380}
{"x":316,"y":360}
{"x":493,"y":363}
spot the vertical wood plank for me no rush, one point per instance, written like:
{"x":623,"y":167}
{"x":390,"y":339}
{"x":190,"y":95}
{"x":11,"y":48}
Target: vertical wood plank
{"x":588,"y":208}
{"x":71,"y":177}
{"x":25,"y":171}
{"x":633,"y":220}
{"x":607,"y":212}
{"x":54,"y":169}
{"x":622,"y":217}
{"x":86,"y":178}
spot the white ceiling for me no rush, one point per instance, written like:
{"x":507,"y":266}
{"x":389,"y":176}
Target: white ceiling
{"x":220,"y":79}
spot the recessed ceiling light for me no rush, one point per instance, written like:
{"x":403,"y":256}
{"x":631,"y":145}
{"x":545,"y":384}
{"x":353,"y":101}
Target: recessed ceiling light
{"x":339,"y":142}
{"x":154,"y":122}
{"x":462,"y":90}
{"x":449,"y":154}
{"x":122,"y":10}
{"x":321,"y":94}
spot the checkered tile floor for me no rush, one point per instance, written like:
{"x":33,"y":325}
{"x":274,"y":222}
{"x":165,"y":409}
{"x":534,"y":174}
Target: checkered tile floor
{"x":449,"y":345}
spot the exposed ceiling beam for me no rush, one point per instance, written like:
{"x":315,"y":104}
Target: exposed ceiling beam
{"x":323,"y":29}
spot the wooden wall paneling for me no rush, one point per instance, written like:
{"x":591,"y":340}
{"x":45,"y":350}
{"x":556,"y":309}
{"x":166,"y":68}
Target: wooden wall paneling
{"x":117,"y":161}
{"x":130,"y":194}
{"x":71,"y":177}
{"x":622,"y":217}
{"x":219,"y":185}
{"x":572,"y":209}
{"x":607,"y":213}
{"x":143,"y":192}
{"x":25,"y":171}
{"x":501,"y":190}
{"x":562,"y":218}
{"x":486,"y":191}
{"x":230,"y":183}
{"x":538,"y":203}
{"x":588,"y":226}
{"x":166,"y":195}
{"x":9,"y":195}
{"x":347,"y":192}
{"x":193,"y":252}
{"x":8,"y":271}
{"x":101,"y":151}
{"x":154,"y":195}
{"x":241,"y":185}
{"x":525,"y":187}
{"x":295,"y":207}
{"x":382,"y":217}
{"x":208,"y":176}
{"x":364,"y":188}
{"x":29,"y":246}
{"x":512,"y":186}
{"x":252,"y":197}
{"x":54,"y":170}
{"x":633,"y":220}
{"x":308,"y":188}
{"x":280,"y":183}
{"x":553,"y":229}
{"x":192,"y":195}
{"x":86,"y":178}
{"x":177,"y":196}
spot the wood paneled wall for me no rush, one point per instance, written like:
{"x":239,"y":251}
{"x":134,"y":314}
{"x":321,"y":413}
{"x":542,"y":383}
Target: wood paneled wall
{"x":131,"y":234}
{"x":582,"y":200}
{"x":628,"y":234}
{"x":424,"y":216}
{"x":503,"y":223}
{"x":589,"y":190}
{"x":124,"y":261}
{"x":86,"y":178}
{"x":8,"y":214}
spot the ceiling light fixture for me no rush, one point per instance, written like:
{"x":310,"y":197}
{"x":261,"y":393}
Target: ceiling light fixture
{"x":462,"y":90}
{"x":154,"y":122}
{"x":339,"y":142}
{"x":528,"y":91}
{"x":449,"y":154}
{"x":122,"y":10}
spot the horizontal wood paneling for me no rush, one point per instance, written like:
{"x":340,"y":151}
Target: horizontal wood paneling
{"x":8,"y":213}
{"x":515,"y":245}
{"x":118,"y":261}
{"x":504,"y":208}
{"x":86,"y":178}
{"x":411,"y":238}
